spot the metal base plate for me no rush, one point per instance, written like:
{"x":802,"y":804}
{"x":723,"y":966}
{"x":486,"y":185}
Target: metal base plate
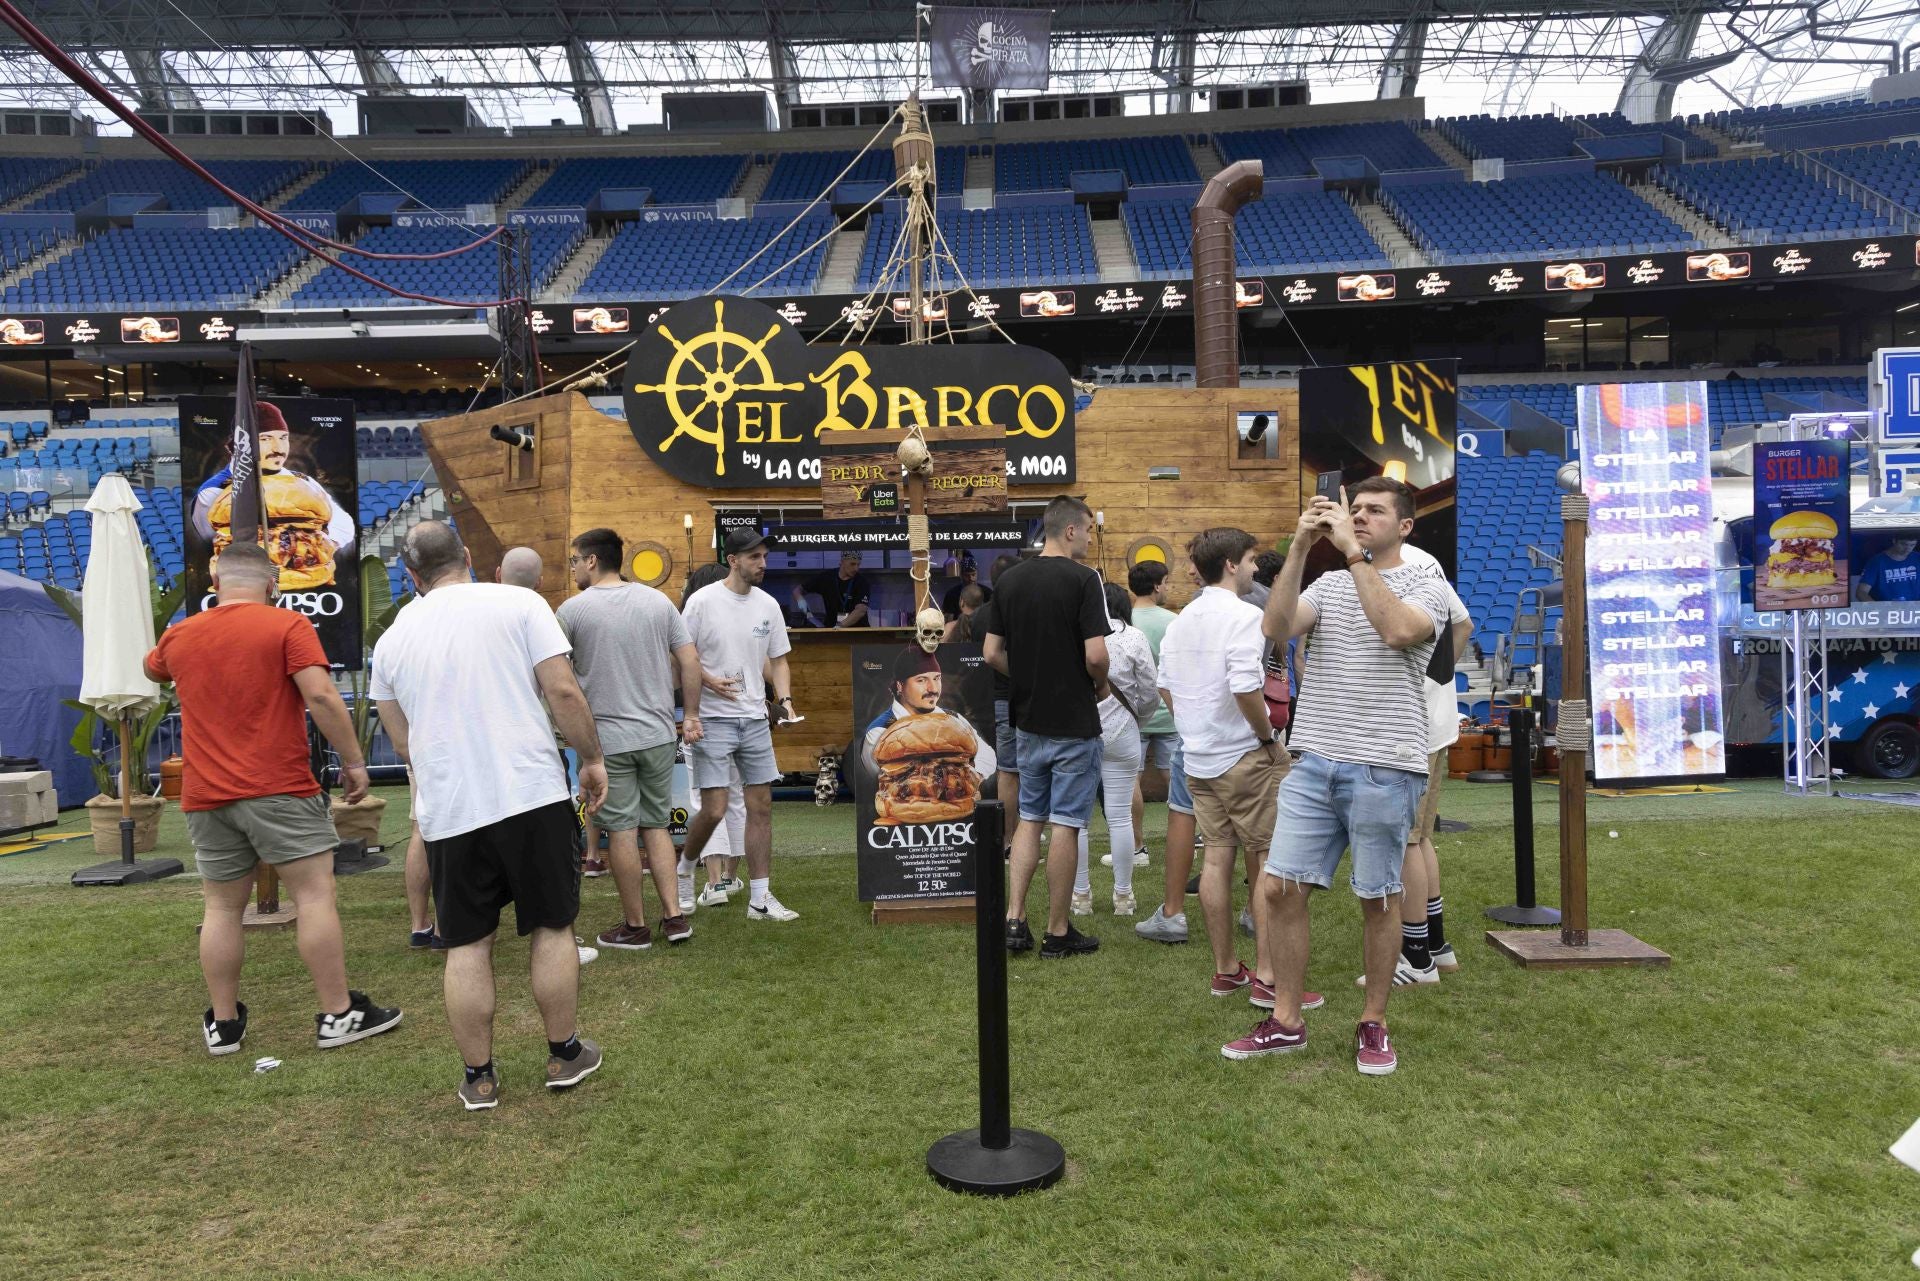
{"x":120,"y":872}
{"x":1514,"y":914}
{"x":1031,"y":1162}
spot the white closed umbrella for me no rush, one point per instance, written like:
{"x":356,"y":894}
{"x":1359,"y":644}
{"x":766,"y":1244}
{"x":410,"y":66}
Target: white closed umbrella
{"x":116,"y":604}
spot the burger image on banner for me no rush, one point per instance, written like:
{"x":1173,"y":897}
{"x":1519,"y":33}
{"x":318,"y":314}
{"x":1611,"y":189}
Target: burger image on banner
{"x":918,"y":768}
{"x":928,"y":761}
{"x":1802,"y":554}
{"x":306,"y":529}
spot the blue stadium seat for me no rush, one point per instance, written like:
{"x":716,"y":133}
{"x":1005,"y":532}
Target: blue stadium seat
{"x":1539,"y":217}
{"x":1292,"y":231}
{"x":179,"y":187}
{"x":674,"y":180}
{"x":802,"y":175}
{"x":1389,"y":144}
{"x":681,"y":259}
{"x":160,"y":268}
{"x":449,"y":185}
{"x":995,"y":248}
{"x":474,"y":275}
{"x":1048,"y":166}
{"x":1766,"y":197}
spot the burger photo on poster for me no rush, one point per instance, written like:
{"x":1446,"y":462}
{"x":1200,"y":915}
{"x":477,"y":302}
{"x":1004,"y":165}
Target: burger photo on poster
{"x":927,"y":761}
{"x":307,"y":529}
{"x":1802,"y":554}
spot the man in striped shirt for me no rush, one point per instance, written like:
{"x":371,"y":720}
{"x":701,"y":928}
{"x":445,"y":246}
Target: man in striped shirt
{"x":1360,"y":728}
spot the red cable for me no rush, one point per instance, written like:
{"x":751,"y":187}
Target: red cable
{"x":308,"y":241}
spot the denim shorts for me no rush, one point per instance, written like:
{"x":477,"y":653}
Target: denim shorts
{"x":1159,"y":749}
{"x":1006,"y":743}
{"x":1325,"y":806}
{"x":1058,"y":779}
{"x":1179,"y":799}
{"x":733,"y":740}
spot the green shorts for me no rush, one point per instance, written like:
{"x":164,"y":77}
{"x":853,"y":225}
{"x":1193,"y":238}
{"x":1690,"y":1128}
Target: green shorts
{"x":228,"y":842}
{"x":639,"y":790}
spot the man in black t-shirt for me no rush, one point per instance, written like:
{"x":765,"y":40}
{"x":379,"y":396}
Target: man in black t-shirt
{"x":1047,"y":634}
{"x":969,"y":577}
{"x":845,"y":593}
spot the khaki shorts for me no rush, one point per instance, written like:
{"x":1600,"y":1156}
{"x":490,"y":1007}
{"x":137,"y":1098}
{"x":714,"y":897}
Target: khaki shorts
{"x":1430,"y":803}
{"x":1237,"y":808}
{"x":639,"y":790}
{"x":230,"y":841}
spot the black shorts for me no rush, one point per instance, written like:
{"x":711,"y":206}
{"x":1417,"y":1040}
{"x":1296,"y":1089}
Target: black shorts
{"x":530,"y":859}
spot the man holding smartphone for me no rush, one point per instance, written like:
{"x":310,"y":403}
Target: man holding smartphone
{"x":1360,"y":727}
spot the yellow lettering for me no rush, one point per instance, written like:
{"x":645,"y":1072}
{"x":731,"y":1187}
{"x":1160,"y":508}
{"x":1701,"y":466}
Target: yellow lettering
{"x":775,"y":436}
{"x":1367,"y":379}
{"x":950,"y":414}
{"x":1405,"y":398}
{"x":982,"y":415}
{"x":1052,"y":397}
{"x":854,"y":369}
{"x":905,"y":400}
{"x":750,"y":422}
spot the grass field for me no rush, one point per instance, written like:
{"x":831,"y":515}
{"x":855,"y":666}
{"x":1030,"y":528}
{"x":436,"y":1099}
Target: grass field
{"x":770,"y":1092}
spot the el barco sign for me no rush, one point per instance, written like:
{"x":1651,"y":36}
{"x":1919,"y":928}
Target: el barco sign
{"x":723,"y":393}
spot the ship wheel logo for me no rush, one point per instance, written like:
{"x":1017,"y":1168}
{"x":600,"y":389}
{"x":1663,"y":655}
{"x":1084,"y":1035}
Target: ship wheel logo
{"x":699,"y":379}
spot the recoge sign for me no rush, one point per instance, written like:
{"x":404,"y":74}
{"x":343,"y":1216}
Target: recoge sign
{"x":723,"y":393}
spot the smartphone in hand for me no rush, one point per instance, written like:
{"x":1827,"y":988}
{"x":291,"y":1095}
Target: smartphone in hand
{"x":1327,"y":486}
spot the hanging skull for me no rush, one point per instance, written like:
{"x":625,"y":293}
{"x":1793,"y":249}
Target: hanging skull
{"x":913,"y":455}
{"x":928,"y":627}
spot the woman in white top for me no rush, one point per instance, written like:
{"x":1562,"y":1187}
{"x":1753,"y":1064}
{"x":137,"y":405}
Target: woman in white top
{"x":1133,"y":691}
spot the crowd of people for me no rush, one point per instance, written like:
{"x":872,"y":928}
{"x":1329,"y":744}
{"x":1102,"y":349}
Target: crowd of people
{"x":520,"y":723}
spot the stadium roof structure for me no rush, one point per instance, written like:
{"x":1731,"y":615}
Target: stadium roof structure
{"x":519,"y":58}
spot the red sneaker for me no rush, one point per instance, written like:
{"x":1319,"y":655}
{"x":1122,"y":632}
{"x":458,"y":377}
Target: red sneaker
{"x":1261,"y":998}
{"x":1372,"y":1051}
{"x":677,"y":929}
{"x":1228,"y":984}
{"x":592,"y":867}
{"x":1268,"y":1037}
{"x":627,"y":938}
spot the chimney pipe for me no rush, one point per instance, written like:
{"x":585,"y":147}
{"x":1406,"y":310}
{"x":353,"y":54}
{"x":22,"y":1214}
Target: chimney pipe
{"x":1216,"y":318}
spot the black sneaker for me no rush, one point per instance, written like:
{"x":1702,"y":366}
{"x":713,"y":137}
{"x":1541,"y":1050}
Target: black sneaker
{"x":1072,"y":943}
{"x":1019,"y":937}
{"x":224,"y":1035}
{"x":1193,"y":883}
{"x":362,"y":1020}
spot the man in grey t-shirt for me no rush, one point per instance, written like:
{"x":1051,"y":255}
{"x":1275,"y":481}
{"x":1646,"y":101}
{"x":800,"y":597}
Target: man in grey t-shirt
{"x":1360,"y":727}
{"x":628,"y":644}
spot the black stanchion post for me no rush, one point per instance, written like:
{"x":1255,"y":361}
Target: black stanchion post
{"x":1524,"y":910}
{"x":994,"y":1159}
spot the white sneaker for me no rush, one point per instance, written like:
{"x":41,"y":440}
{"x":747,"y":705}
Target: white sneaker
{"x":1082,"y":904}
{"x":1404,"y":975}
{"x":712,"y":896}
{"x":1446,"y":958}
{"x":1124,"y":904}
{"x":733,"y":885}
{"x":588,"y":955}
{"x":1106,"y":860}
{"x":688,"y":901}
{"x":771,"y":910}
{"x":1139,"y":858}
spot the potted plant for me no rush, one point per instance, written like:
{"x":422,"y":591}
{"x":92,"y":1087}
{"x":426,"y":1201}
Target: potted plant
{"x":103,"y":811}
{"x":378,"y":608}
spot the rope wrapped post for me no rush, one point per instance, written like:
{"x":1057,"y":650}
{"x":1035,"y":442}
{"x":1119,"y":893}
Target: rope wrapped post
{"x":1574,"y":729}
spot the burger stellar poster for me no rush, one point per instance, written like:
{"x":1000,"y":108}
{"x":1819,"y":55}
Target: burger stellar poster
{"x":1800,"y":508}
{"x":1654,"y":649}
{"x":922,"y":752}
{"x":309,"y":470}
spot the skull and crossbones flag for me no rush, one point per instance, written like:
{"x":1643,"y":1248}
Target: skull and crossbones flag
{"x":991,"y":48}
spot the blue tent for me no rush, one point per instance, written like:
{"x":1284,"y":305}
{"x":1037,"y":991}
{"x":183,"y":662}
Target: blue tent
{"x":43,"y":666}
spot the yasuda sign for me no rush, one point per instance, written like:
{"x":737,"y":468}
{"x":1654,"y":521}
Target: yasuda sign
{"x":724,"y":394}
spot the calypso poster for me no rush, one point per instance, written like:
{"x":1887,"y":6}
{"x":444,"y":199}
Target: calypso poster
{"x":922,"y":757}
{"x":1800,"y":514}
{"x":309,"y":473}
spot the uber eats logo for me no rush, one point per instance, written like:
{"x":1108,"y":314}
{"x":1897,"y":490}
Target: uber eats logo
{"x":723,"y":393}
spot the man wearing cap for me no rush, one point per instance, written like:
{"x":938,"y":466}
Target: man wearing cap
{"x":844,"y":593}
{"x":741,"y":637}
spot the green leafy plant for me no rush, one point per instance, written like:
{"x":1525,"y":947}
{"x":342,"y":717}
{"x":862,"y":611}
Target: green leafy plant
{"x":378,"y":608}
{"x":165,"y":603}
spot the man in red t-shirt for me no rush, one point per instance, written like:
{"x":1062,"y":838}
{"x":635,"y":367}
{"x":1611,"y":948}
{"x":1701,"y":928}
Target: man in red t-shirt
{"x":247,"y":674}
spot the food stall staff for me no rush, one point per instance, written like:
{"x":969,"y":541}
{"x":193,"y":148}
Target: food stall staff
{"x":845,"y":592}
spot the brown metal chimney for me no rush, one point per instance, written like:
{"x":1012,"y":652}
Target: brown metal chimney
{"x":1216,"y":319}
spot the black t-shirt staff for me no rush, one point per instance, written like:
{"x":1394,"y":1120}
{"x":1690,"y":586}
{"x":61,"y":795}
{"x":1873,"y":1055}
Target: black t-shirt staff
{"x":845,"y":592}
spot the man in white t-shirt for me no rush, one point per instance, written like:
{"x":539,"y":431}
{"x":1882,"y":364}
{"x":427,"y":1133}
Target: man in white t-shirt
{"x":1424,"y":950}
{"x":741,"y":636}
{"x":459,"y":679}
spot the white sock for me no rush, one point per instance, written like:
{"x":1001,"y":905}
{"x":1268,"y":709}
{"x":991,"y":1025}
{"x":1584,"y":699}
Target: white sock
{"x":757,"y":891}
{"x":686,"y":865}
{"x":1082,"y":882}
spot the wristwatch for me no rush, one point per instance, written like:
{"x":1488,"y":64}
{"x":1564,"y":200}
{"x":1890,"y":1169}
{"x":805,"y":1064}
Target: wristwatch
{"x":1355,"y":559}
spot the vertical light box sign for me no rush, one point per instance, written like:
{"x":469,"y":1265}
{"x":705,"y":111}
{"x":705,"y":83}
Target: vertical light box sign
{"x":1654,"y":643}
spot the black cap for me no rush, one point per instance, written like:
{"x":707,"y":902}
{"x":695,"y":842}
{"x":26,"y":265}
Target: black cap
{"x":743,"y":539}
